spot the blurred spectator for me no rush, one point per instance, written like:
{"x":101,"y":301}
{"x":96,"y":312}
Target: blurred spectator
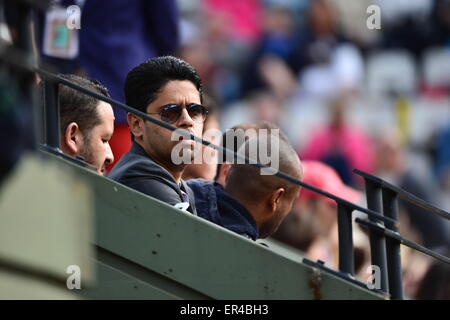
{"x":352,"y":17}
{"x":240,"y":19}
{"x":414,"y":267}
{"x":259,"y":106}
{"x":415,"y":25}
{"x":118,"y":35}
{"x":276,"y":41}
{"x":312,"y":225}
{"x":340,"y":144}
{"x":442,"y":166}
{"x":435,"y":285}
{"x":392,"y":165}
{"x":322,"y":57}
{"x":440,"y":21}
{"x":406,"y":24}
{"x":216,"y":38}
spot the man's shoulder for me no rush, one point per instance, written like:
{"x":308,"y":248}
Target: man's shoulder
{"x":203,"y":188}
{"x":134,"y":165}
{"x":199,"y":183}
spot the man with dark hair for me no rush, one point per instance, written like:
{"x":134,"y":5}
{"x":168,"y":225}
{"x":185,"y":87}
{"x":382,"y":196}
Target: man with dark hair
{"x":87,"y":124}
{"x":251,"y":204}
{"x":171,"y":90}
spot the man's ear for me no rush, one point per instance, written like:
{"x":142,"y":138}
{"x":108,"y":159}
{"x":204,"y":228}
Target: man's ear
{"x":275,"y":198}
{"x":136,"y":125}
{"x":224,"y":171}
{"x":72,"y":139}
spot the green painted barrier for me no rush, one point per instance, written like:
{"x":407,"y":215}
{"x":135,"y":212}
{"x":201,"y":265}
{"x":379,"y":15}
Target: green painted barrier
{"x":146,"y":249}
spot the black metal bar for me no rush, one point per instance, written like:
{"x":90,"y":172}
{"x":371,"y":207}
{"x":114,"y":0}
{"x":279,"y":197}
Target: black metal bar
{"x":404,"y":194}
{"x":346,"y":256}
{"x":402,"y":240}
{"x":377,"y":239}
{"x":51,"y":109}
{"x":390,"y":209}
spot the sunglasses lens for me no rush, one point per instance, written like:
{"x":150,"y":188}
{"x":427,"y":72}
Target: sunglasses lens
{"x":171,"y":113}
{"x":197,"y":111}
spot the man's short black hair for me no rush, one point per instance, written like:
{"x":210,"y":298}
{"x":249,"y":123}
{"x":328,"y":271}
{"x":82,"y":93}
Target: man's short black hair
{"x":145,"y":81}
{"x":78,"y":107}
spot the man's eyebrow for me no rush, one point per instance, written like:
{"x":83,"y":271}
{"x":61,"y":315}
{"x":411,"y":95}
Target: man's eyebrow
{"x":168,"y":104}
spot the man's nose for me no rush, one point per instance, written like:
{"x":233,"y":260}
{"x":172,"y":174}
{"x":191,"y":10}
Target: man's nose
{"x":185,"y":119}
{"x":109,"y":154}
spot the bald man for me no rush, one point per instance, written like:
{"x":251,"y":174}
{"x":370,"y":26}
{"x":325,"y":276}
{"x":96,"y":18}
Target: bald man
{"x":250,"y":204}
{"x":238,"y":135}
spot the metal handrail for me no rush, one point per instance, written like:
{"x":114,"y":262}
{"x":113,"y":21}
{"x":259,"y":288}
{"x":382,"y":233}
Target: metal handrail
{"x":404,"y":194}
{"x":385,"y":253}
{"x":397,"y":236}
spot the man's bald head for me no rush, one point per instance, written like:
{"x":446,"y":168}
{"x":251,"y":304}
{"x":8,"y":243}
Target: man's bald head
{"x":233,"y":139}
{"x":257,"y":192}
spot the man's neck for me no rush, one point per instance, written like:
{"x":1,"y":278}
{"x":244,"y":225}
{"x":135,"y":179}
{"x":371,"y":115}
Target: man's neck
{"x":175,"y":171}
{"x":251,"y":208}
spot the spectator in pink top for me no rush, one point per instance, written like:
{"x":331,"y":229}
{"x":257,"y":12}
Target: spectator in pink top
{"x":341,"y":145}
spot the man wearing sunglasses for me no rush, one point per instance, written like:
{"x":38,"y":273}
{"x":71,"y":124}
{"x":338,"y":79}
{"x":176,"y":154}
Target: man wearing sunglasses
{"x":170,"y":90}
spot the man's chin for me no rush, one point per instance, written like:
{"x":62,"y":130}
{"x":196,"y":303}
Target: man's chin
{"x":186,"y":153}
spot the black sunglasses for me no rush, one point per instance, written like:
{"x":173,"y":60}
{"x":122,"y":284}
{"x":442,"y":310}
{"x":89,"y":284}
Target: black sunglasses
{"x":172,"y":112}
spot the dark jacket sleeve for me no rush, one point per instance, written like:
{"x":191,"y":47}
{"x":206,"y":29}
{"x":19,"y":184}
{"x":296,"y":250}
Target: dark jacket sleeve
{"x":156,"y":189}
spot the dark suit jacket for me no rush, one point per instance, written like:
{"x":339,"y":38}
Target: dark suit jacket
{"x":138,"y":171}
